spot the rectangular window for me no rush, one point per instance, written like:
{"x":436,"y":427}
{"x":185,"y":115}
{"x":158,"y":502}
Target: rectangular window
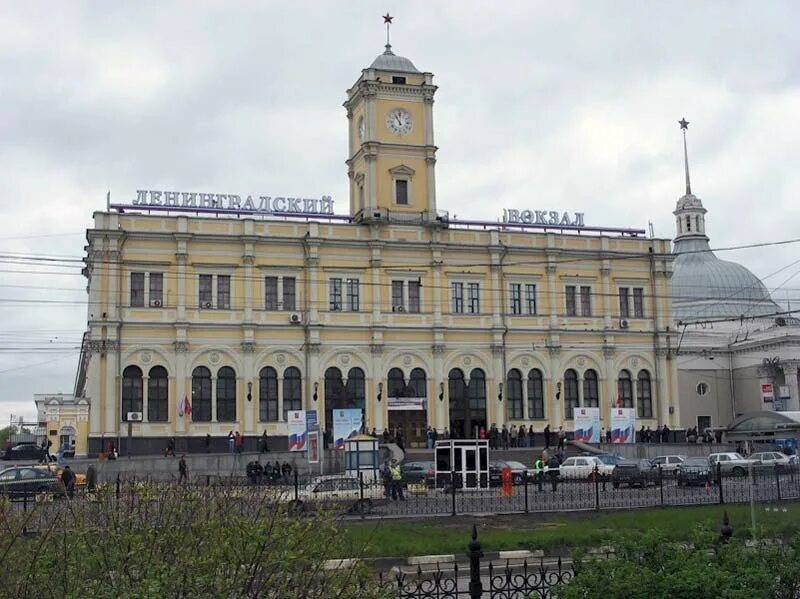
{"x":397,"y":296}
{"x":638,"y":302}
{"x":137,"y":289}
{"x":413,"y":296}
{"x":271,"y":293}
{"x":398,"y":80}
{"x":570,"y":291}
{"x":289,"y":293}
{"x":458,"y":297}
{"x":156,"y":289}
{"x":401,"y":192}
{"x":515,"y":291}
{"x":352,"y":295}
{"x":474,"y":294}
{"x":624,"y":310}
{"x":206,"y":282}
{"x":335,"y":293}
{"x":586,"y":301}
{"x":224,"y":292}
{"x":530,"y":299}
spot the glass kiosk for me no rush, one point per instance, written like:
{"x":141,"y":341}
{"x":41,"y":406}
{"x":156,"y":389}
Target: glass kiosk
{"x":464,"y":460}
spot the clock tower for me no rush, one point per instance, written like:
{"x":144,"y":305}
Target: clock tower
{"x":392,"y":155}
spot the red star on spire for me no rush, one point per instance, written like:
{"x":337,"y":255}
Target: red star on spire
{"x":387,"y":18}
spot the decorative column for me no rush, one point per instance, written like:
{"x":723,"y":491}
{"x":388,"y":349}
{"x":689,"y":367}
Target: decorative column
{"x":145,"y":393}
{"x":439,"y":379}
{"x":248,"y":420}
{"x":556,"y":405}
{"x":379,"y":416}
{"x":790,"y":375}
{"x":213,"y":398}
{"x":605,"y":275}
{"x":183,"y":383}
{"x":552,"y":291}
{"x":611,"y":391}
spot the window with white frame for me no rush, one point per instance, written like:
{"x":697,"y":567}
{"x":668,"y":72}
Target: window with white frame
{"x":624,"y":309}
{"x":570,"y":293}
{"x":280,"y":293}
{"x":156,"y":288}
{"x":474,"y":298}
{"x":406,"y":295}
{"x":530,"y":298}
{"x":224,"y":292}
{"x":522,"y":298}
{"x":401,"y":192}
{"x":214,"y":289}
{"x":586,"y":300}
{"x":638,"y":302}
{"x":335,"y":295}
{"x":515,"y":298}
{"x":205,"y":294}
{"x":625,"y":294}
{"x":147,"y":289}
{"x":352,"y":304}
{"x":344,"y":294}
{"x":137,"y":289}
{"x":457,"y":295}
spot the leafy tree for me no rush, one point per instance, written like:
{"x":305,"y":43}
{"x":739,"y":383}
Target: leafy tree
{"x":651,"y":567}
{"x":5,"y":433}
{"x":176,"y":542}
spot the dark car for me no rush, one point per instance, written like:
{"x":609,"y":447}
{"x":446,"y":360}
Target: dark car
{"x":611,"y":459}
{"x":419,"y":473}
{"x":634,"y":472}
{"x":26,"y":480}
{"x":695,"y":471}
{"x":24,"y":451}
{"x":518,"y":472}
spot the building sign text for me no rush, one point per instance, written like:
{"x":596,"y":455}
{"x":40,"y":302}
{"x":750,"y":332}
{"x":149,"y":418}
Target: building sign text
{"x":225,"y":202}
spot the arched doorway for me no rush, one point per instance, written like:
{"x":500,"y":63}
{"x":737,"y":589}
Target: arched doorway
{"x":467,"y":403}
{"x":342,"y":396}
{"x":408,"y":406}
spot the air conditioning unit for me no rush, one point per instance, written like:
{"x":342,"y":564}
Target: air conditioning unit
{"x":134,"y":417}
{"x":296,"y":318}
{"x":208,"y":305}
{"x":156,"y":303}
{"x":623,"y":323}
{"x":401,"y":309}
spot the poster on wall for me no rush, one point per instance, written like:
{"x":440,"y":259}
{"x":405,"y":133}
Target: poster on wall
{"x":587,"y":425}
{"x":296,"y":419}
{"x":623,"y":425}
{"x":313,"y":447}
{"x":346,"y":424}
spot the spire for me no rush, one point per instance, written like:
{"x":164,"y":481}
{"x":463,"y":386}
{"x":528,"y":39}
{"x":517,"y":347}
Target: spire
{"x":684,"y":126}
{"x":387,"y":19}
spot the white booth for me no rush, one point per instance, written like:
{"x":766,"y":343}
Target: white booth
{"x":361,"y":455}
{"x":463,"y":463}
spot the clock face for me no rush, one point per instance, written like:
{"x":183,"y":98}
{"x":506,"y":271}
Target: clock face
{"x":399,"y":121}
{"x":361,"y":128}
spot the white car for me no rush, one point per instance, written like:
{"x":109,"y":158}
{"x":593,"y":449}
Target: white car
{"x":773,"y":459}
{"x":583,"y":467}
{"x":730,"y":462}
{"x":668,"y":463}
{"x":338,"y":490}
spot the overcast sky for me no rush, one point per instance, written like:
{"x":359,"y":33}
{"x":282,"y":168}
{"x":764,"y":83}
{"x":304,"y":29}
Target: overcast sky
{"x":548,"y":105}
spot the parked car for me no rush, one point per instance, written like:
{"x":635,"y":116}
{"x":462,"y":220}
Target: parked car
{"x":694,"y":471}
{"x":634,"y":472}
{"x":773,"y":459}
{"x":583,"y":467}
{"x":419,"y":473}
{"x":27,"y":451}
{"x":610,"y":459}
{"x":730,"y":462}
{"x":28,"y":480}
{"x":518,"y":472}
{"x":668,"y":463}
{"x":338,"y":492}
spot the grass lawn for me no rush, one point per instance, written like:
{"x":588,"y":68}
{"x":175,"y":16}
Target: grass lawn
{"x":424,"y":536}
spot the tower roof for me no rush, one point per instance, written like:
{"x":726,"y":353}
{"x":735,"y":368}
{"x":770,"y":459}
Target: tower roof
{"x":389,"y":61}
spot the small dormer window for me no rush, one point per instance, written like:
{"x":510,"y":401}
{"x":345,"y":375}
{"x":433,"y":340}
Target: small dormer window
{"x":688,"y":223}
{"x":399,"y":80}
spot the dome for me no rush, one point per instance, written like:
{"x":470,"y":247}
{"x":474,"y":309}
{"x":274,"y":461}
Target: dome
{"x":703,"y":286}
{"x":389,"y":61}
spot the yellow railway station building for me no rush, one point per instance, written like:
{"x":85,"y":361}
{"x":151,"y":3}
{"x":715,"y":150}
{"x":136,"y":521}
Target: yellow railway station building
{"x":212,"y":313}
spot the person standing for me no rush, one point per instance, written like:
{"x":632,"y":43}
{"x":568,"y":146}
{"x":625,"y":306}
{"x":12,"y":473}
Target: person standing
{"x":523,"y":436}
{"x":504,"y":437}
{"x":547,"y":436}
{"x":512,"y":435}
{"x":230,"y":442}
{"x":397,"y":481}
{"x":208,"y":442}
{"x":182,"y":475}
{"x":264,"y":443}
{"x":602,"y":434}
{"x":562,"y":438}
{"x":531,"y":437}
{"x":553,"y":471}
{"x":238,"y":442}
{"x":68,"y":478}
{"x":538,"y":470}
{"x":608,"y":436}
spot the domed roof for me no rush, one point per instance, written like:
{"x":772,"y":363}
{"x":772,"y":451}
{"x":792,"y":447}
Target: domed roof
{"x":704,"y":286}
{"x":389,"y":61}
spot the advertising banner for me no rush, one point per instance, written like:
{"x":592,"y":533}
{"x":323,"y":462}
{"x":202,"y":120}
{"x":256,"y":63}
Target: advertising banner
{"x":297,"y":430}
{"x":312,"y":424}
{"x":407,"y":403}
{"x":767,"y":393}
{"x":346,"y":424}
{"x":623,"y":425}
{"x":587,"y":424}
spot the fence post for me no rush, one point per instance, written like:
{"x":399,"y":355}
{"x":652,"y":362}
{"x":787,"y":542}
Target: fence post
{"x":297,"y":486}
{"x":453,"y":490}
{"x":526,"y":491}
{"x":719,"y":482}
{"x":475,"y":554}
{"x":25,"y":509}
{"x":778,"y":481}
{"x":595,"y":476}
{"x":118,"y":485}
{"x":361,"y":493}
{"x":661,"y":482}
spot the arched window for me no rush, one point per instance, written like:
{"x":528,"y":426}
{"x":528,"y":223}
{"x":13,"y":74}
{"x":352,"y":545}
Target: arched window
{"x":570,"y":393}
{"x":644,"y":395}
{"x":226,"y":394}
{"x":158,"y":395}
{"x":268,"y":395}
{"x":689,"y":223}
{"x":514,"y":395}
{"x":624,"y":390}
{"x":132,"y":398}
{"x":395,"y":383}
{"x":418,"y":383}
{"x":536,"y":394}
{"x":356,"y":388}
{"x":334,"y":395}
{"x":476,"y":391}
{"x":201,"y":394}
{"x":591,"y":392}
{"x":292,"y":391}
